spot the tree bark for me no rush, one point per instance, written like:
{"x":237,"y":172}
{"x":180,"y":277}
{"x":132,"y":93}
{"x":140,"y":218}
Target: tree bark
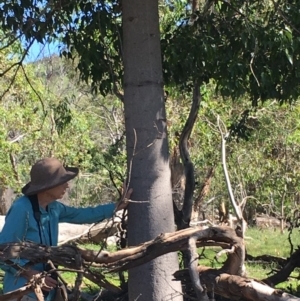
{"x":147,"y":150}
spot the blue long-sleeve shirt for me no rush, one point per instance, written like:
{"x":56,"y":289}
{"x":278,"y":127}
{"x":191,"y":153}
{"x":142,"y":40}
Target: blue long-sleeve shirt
{"x":20,"y":225}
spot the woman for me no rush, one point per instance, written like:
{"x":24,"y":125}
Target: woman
{"x":35,"y":217}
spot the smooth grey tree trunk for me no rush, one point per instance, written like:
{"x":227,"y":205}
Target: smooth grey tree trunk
{"x":147,"y":149}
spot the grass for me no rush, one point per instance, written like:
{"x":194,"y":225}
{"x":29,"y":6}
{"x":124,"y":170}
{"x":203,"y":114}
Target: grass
{"x":270,"y":241}
{"x":273,"y":242}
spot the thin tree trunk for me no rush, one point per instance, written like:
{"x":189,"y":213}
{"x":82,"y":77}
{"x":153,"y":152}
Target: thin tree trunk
{"x":282,"y":213}
{"x":147,"y":149}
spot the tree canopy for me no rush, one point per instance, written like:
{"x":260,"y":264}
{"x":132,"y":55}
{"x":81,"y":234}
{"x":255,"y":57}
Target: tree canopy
{"x":246,"y":47}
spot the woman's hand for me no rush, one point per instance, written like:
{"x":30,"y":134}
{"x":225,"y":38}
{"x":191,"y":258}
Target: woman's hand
{"x":49,"y":283}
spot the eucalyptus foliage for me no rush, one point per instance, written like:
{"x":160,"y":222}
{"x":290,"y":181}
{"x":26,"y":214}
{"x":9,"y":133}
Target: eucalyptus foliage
{"x":246,"y":47}
{"x":245,"y":51}
{"x":59,"y":119}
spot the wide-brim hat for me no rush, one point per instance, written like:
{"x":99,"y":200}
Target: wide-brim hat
{"x":46,"y":174}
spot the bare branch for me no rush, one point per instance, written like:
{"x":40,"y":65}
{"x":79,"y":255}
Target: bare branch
{"x":33,"y":89}
{"x":236,"y":207}
{"x":16,"y":139}
{"x":188,"y":165}
{"x":193,"y":264}
{"x":226,"y":251}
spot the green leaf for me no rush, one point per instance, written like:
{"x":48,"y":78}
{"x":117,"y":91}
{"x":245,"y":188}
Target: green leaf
{"x":289,"y":57}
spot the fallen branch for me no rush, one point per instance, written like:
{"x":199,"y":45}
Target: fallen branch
{"x":223,"y":281}
{"x":131,"y":257}
{"x":236,"y":287}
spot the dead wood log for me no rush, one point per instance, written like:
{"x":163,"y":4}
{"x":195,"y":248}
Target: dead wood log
{"x":125,"y":259}
{"x":235,"y":287}
{"x":268,"y":222}
{"x":223,"y":281}
{"x":171,"y":242}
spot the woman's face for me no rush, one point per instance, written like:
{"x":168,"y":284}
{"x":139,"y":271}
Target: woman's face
{"x":57,"y":192}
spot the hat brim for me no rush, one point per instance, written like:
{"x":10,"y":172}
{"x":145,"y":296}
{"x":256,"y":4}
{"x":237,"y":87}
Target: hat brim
{"x":71,"y":173}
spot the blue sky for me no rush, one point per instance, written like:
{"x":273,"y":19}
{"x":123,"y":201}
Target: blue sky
{"x":39,"y":51}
